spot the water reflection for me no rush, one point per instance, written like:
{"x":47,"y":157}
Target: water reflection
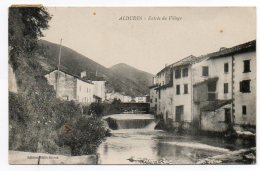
{"x":157,"y":144}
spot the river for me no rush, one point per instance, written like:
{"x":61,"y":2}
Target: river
{"x":152,"y":144}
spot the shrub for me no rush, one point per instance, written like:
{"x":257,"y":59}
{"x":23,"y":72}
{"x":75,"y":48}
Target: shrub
{"x":82,"y":136}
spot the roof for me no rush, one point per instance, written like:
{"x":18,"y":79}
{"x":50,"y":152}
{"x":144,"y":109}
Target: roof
{"x":214,"y":105}
{"x":245,"y":47}
{"x":206,"y":80}
{"x":164,"y":86}
{"x":152,"y":86}
{"x":76,"y":76}
{"x":185,"y":61}
{"x":96,"y":97}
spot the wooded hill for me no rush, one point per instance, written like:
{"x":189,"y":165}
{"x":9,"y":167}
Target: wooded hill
{"x":120,"y":78}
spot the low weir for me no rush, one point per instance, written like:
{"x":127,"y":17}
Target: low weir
{"x":130,"y":121}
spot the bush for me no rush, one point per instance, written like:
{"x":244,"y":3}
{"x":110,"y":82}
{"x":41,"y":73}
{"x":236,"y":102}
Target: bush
{"x":82,"y":136}
{"x":37,"y":118}
{"x":96,"y":109}
{"x":102,"y":109}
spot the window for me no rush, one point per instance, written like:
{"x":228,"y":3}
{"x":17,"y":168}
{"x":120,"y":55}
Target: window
{"x":245,"y":86}
{"x":247,"y":66}
{"x":177,"y":89}
{"x":155,"y":100}
{"x":185,"y":72}
{"x":212,"y":86}
{"x":225,"y":88}
{"x":177,"y":73}
{"x":226,"y":68}
{"x":185,"y":88}
{"x":244,"y":109}
{"x":205,"y":71}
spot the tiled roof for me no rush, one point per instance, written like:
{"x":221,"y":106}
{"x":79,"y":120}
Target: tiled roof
{"x":66,"y":72}
{"x":186,"y":61}
{"x":214,"y":105}
{"x":164,"y":86}
{"x":245,"y":47}
{"x":182,"y":61}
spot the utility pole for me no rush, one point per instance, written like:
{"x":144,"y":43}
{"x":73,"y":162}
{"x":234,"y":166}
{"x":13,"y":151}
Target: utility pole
{"x":58,"y":75}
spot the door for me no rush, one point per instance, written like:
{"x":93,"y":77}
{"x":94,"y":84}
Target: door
{"x":179,"y":113}
{"x":228,"y":115}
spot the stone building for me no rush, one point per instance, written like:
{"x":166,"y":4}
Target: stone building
{"x":213,"y":92}
{"x":225,"y":96}
{"x":116,"y":95}
{"x":183,"y":91}
{"x":71,"y":87}
{"x":159,"y":93}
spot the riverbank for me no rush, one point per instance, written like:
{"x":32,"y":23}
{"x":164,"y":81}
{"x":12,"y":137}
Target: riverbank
{"x":20,"y":157}
{"x":243,"y":156}
{"x":193,"y":131}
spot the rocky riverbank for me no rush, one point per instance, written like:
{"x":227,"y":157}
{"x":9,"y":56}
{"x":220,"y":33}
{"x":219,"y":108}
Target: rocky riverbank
{"x":243,"y":156}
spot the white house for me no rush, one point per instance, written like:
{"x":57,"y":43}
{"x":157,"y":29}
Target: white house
{"x":225,"y":96}
{"x":100,"y":89}
{"x":71,"y":87}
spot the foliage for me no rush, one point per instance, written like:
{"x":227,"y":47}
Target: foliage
{"x":25,"y":27}
{"x":85,"y":136}
{"x":96,"y":109}
{"x":102,"y":109}
{"x":36,"y":116}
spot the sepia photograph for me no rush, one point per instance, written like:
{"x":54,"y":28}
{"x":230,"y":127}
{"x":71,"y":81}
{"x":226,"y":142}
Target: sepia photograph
{"x":131,"y":85}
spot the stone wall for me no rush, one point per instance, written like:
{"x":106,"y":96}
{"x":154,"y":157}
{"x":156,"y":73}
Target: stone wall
{"x":65,"y":87}
{"x":214,"y":121}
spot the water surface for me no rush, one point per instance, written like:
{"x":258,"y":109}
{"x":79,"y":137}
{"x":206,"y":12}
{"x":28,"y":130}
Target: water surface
{"x":157,"y":144}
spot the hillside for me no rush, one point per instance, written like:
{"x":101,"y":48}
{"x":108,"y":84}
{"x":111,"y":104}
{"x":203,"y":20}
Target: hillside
{"x":74,"y":63}
{"x":131,"y":73}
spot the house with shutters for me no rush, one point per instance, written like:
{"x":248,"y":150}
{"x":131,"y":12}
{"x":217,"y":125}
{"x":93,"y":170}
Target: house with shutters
{"x":224,"y":87}
{"x":212,"y":92}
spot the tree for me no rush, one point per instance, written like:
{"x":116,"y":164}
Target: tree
{"x":25,"y":27}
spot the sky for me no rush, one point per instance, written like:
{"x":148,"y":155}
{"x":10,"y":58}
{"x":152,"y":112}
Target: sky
{"x":149,"y":45}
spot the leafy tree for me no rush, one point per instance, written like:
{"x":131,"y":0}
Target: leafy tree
{"x":25,"y":27}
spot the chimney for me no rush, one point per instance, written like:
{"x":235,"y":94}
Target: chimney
{"x":222,"y":48}
{"x":83,"y":74}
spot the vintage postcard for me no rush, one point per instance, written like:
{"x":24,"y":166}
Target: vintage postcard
{"x":132,"y":85}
